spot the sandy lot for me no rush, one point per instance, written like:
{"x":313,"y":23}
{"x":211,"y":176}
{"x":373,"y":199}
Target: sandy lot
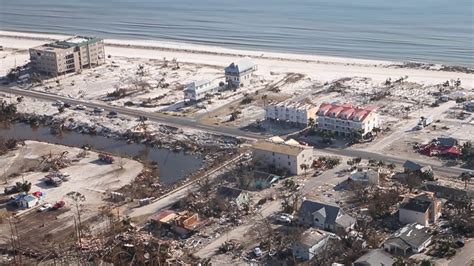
{"x":87,"y":176}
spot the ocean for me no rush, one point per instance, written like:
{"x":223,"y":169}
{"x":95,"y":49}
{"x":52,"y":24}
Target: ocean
{"x":430,"y":31}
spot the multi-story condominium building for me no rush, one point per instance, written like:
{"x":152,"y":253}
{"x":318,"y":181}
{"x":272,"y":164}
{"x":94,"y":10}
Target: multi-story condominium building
{"x":295,"y":113}
{"x":67,"y":56}
{"x":198,"y":90}
{"x":239,"y":73}
{"x":346,"y":120}
{"x":281,"y":154}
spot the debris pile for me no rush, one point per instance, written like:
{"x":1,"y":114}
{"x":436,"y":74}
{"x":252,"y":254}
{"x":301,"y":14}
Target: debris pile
{"x":53,"y":162}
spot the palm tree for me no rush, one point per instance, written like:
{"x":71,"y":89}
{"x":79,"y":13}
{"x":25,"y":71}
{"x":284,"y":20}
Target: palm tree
{"x":305,"y":168}
{"x":466,"y":177}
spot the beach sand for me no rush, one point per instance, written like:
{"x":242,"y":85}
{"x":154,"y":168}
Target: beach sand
{"x":322,"y":68}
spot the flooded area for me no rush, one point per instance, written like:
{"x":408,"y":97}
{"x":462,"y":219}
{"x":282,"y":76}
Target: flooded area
{"x":173,"y":166}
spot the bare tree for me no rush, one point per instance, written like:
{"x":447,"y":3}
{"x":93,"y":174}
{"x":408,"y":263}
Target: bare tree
{"x":77,"y":199}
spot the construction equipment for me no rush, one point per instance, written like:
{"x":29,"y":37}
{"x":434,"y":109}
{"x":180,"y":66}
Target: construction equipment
{"x":106,"y":158}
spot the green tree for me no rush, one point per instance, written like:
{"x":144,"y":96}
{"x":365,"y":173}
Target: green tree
{"x":24,"y":186}
{"x":305,"y":168}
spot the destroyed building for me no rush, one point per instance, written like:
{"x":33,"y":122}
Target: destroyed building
{"x":236,"y":196}
{"x":182,"y":223}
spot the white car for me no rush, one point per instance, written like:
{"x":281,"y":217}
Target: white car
{"x":284,"y":218}
{"x":45,"y":207}
{"x":80,"y":107}
{"x":257,"y":251}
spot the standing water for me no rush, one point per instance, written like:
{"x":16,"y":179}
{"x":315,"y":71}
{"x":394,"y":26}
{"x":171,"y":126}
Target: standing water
{"x":173,"y":166}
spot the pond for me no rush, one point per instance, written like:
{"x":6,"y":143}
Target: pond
{"x":173,"y":166}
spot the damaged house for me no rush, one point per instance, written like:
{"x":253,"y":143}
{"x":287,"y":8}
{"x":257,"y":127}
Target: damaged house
{"x":236,"y":196}
{"x":324,"y":216}
{"x":182,"y":223}
{"x":422,"y":209}
{"x":311,"y":242}
{"x":413,"y":238}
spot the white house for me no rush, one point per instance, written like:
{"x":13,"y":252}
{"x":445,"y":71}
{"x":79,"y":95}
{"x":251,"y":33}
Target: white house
{"x":311,"y":242}
{"x":291,"y":112}
{"x":422,"y":209}
{"x":413,"y":238}
{"x":288,"y":155}
{"x":198,"y":90}
{"x":238,"y":73}
{"x":346,"y":119}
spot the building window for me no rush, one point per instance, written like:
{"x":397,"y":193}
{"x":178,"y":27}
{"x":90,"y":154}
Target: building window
{"x":273,"y":153}
{"x":289,"y":163}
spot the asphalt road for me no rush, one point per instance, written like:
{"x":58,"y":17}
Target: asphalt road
{"x":157,"y":117}
{"x":223,"y":130}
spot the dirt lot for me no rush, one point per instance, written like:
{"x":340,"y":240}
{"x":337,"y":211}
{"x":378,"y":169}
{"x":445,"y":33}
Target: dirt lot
{"x":87,"y":176}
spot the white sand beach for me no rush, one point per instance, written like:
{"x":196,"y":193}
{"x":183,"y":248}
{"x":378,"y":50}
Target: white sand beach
{"x":322,"y":68}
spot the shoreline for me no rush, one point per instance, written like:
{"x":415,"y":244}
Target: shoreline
{"x":322,"y":68}
{"x":208,"y":49}
{"x":220,"y":50}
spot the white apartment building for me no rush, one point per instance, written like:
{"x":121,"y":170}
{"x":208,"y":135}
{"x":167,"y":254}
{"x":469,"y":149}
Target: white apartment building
{"x":198,"y":90}
{"x":67,"y":56}
{"x":283,"y":155}
{"x":291,"y":112}
{"x":238,"y":73}
{"x":346,"y":119}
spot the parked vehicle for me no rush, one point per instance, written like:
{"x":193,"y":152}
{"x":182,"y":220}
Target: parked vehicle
{"x":10,"y":190}
{"x":144,"y":201}
{"x":58,"y":103}
{"x":80,"y":107}
{"x":58,"y":205}
{"x":112,"y":114}
{"x":257,"y":251}
{"x":53,"y":181}
{"x":284,"y":218}
{"x":106,"y":158}
{"x":98,"y":110}
{"x":45,"y":207}
{"x":317,"y":173}
{"x":424,"y":121}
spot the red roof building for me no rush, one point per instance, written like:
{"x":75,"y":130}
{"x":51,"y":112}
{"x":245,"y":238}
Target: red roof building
{"x":345,"y":119}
